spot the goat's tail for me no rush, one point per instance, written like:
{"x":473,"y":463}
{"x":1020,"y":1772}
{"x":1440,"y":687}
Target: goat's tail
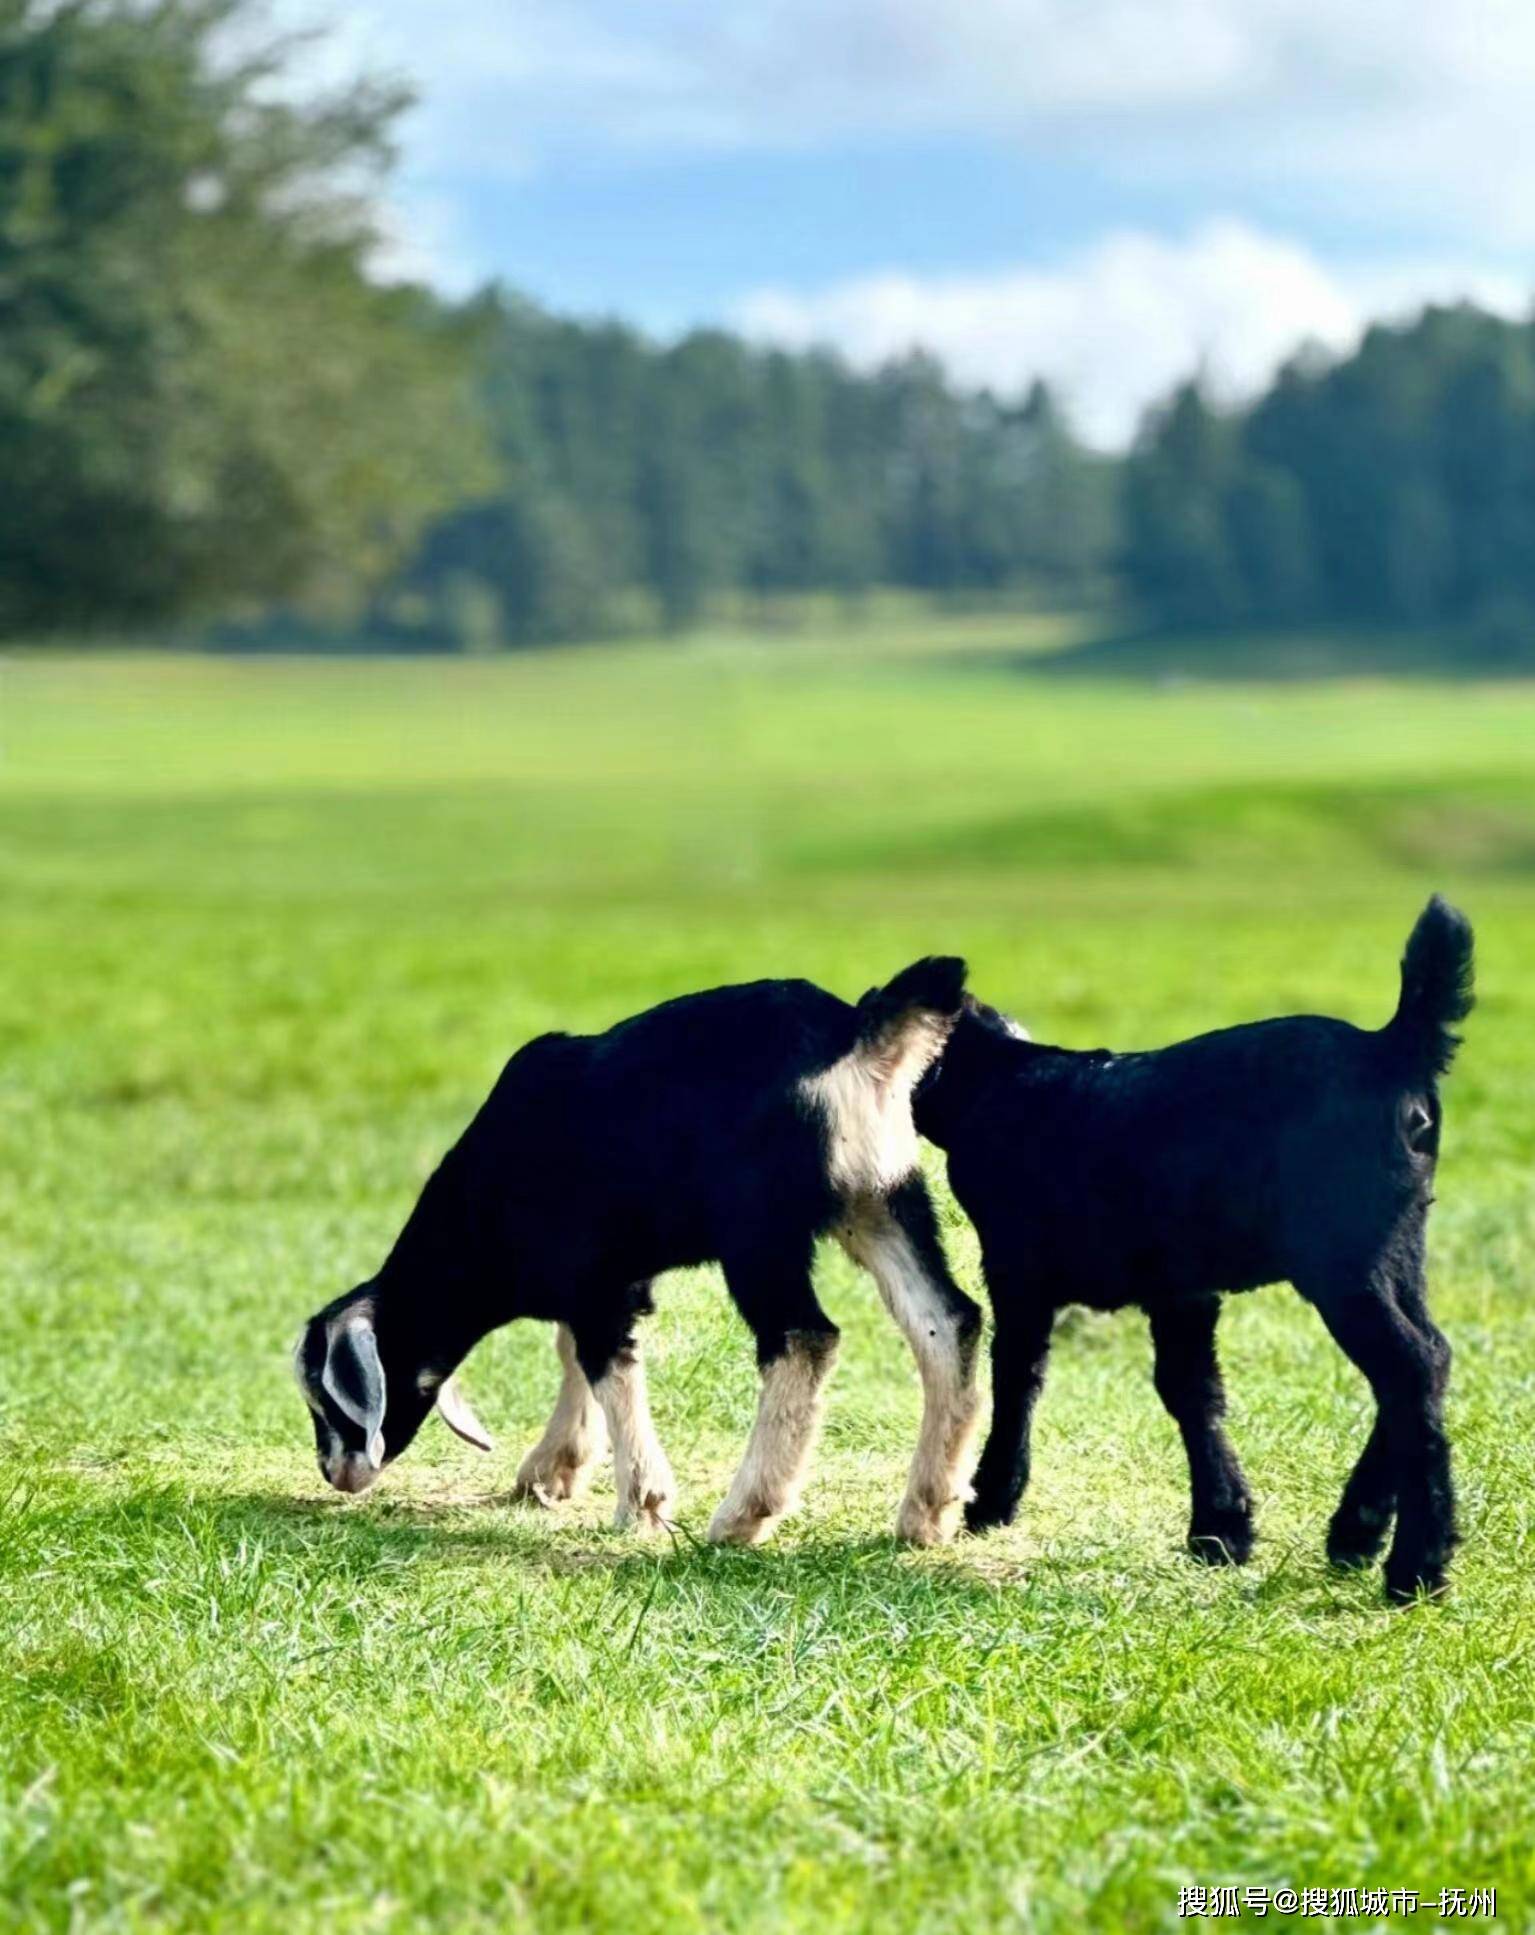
{"x":903,"y":1026}
{"x":1436,"y":990}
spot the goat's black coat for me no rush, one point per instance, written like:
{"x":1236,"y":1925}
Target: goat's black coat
{"x":1299,"y":1149}
{"x":680,"y":1136}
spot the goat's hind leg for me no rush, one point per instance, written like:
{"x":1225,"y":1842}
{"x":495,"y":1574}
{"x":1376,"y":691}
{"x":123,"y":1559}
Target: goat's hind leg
{"x":1188,"y":1381}
{"x":895,"y":1238}
{"x":1357,"y":1531}
{"x":796,"y":1347}
{"x":575,"y":1437}
{"x":1385,"y":1328}
{"x":1361,"y":1525}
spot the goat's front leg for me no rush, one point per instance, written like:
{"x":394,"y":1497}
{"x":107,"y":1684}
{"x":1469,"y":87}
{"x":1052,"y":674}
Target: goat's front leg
{"x":1407,"y":1361}
{"x":575,"y":1437}
{"x":608,"y":1352}
{"x":796,"y":1347}
{"x":1020,"y":1351}
{"x":1188,"y":1381}
{"x":895,"y":1238}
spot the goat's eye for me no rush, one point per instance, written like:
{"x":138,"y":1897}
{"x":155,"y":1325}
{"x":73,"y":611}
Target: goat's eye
{"x":1420,"y":1129}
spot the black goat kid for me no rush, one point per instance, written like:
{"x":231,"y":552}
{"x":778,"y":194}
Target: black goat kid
{"x":735,"y":1125}
{"x":1299,"y":1149}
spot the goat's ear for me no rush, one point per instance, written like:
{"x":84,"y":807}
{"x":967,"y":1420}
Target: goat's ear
{"x":354,"y":1378}
{"x":458,"y":1415}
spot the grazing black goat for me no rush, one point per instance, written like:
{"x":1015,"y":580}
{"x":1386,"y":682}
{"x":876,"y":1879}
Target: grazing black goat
{"x":1299,"y":1149}
{"x":735,"y":1125}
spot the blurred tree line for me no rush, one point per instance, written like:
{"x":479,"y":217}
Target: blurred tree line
{"x":212,"y":412}
{"x":640,"y":486}
{"x":1393,"y":487}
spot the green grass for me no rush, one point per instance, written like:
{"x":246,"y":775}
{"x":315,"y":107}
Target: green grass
{"x":268,"y":931}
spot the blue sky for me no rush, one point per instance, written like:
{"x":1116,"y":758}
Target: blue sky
{"x":1106,"y":192}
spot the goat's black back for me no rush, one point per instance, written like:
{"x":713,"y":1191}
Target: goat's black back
{"x":1226,"y":1161}
{"x":638,"y":1143}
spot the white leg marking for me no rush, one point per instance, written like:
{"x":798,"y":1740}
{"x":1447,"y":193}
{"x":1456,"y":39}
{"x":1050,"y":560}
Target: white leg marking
{"x":767,"y":1486}
{"x":644,"y":1479}
{"x":574,"y":1439}
{"x":939,"y":1481}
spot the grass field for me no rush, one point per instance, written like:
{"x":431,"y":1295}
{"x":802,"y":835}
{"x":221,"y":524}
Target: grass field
{"x":269,"y":929}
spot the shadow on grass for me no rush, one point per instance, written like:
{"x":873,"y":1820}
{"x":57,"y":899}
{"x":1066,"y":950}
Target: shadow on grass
{"x":478,"y":1528}
{"x":1083,"y":1581}
{"x":1186,"y":657}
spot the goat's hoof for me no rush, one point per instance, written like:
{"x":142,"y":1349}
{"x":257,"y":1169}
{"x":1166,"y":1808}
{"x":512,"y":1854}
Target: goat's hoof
{"x":1226,"y":1538}
{"x":1406,"y":1583}
{"x":738,"y":1528}
{"x":981,"y":1517}
{"x":652,"y":1512}
{"x":1220,"y":1548}
{"x":921,"y":1523}
{"x":1356,"y":1541}
{"x":549,"y":1485}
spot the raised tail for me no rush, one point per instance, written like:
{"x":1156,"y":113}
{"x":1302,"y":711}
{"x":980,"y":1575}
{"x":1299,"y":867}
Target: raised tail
{"x":1436,"y":990}
{"x":904,"y":1025}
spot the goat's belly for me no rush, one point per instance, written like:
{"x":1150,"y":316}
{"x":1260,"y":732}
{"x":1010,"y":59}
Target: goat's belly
{"x":1148,"y":1277}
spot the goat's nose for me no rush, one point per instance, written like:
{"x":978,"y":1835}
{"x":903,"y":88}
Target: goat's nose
{"x":350,"y":1473}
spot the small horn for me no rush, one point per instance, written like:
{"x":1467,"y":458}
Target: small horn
{"x":458,"y":1415}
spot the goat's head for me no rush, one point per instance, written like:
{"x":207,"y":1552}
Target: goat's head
{"x":369,"y":1391}
{"x":971,"y":1049}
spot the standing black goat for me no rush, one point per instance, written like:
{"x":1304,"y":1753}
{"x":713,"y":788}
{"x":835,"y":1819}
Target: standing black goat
{"x":736,"y":1125}
{"x":1299,"y":1149}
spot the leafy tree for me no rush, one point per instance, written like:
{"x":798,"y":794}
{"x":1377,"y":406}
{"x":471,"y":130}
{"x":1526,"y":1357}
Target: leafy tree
{"x":203,"y":397}
{"x":640,"y":483}
{"x":1179,"y":551}
{"x":1268,"y":528}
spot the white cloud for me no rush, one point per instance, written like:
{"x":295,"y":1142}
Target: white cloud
{"x":1403,"y":121}
{"x":1409,"y":107}
{"x":1115,"y":325}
